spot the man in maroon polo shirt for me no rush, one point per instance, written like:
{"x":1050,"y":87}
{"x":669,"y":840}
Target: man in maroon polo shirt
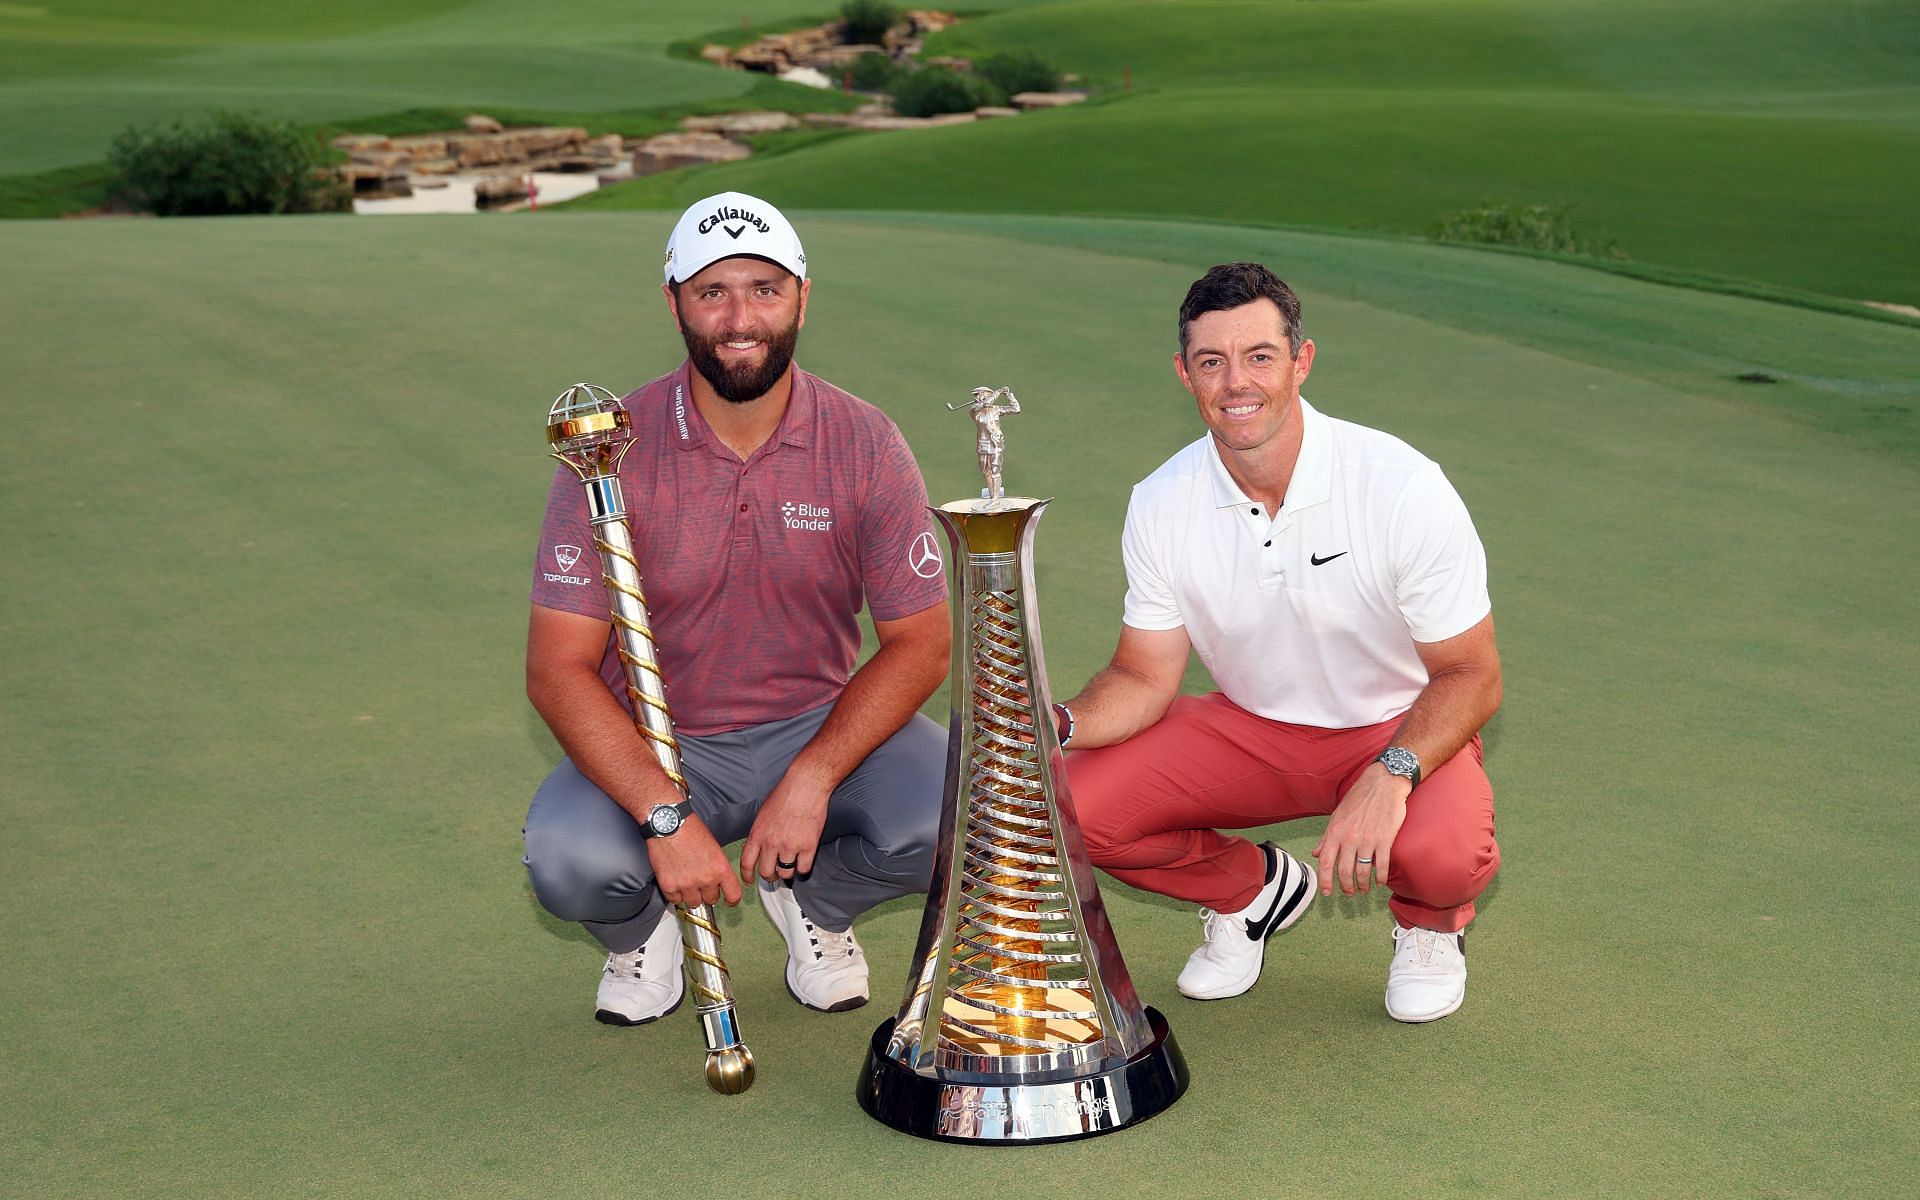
{"x":767,"y":507}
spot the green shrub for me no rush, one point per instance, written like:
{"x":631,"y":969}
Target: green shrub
{"x":868,"y":20}
{"x":1527,"y":226}
{"x":939,"y":90}
{"x":1019,"y":71}
{"x":227,"y":163}
{"x":872,"y":72}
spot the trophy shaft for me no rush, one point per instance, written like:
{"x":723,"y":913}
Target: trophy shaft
{"x":590,"y":432}
{"x":633,"y":635}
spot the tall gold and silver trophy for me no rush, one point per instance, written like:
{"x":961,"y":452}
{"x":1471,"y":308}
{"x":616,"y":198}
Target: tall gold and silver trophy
{"x":1020,"y":1023}
{"x":589,"y":430}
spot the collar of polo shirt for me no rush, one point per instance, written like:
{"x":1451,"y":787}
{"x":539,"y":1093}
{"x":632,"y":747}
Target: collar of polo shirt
{"x":1312,"y":481}
{"x":796,"y":424}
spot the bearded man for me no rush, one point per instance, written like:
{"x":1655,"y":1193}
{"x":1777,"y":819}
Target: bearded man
{"x":768,"y":507}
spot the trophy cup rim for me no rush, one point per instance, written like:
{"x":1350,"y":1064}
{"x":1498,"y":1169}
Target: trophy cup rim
{"x":983,"y":506}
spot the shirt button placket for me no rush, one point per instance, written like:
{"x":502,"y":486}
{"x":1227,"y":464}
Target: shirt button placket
{"x":743,"y":509}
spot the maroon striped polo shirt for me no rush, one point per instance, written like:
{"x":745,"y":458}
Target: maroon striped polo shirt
{"x":754,"y":571}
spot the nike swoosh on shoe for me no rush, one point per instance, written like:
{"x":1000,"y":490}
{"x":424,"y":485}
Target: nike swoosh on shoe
{"x":1286,"y":900}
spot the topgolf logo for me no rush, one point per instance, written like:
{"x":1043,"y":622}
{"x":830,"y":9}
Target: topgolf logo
{"x":566,"y":557}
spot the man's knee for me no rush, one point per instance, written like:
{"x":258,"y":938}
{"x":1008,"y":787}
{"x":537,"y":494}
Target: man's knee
{"x":902,"y":835}
{"x":585,"y":863}
{"x":578,"y":879}
{"x":1443,"y":872}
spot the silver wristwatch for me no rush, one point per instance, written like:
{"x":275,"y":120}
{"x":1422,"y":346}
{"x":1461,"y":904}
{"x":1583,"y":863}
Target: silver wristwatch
{"x":1398,"y":760}
{"x":666,"y":819}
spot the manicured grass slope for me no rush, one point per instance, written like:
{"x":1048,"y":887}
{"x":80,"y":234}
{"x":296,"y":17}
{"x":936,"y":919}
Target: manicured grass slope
{"x":77,"y":73}
{"x":267,"y":756}
{"x":1773,"y":142}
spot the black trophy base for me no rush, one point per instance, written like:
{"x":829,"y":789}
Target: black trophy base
{"x":1015,"y":1113}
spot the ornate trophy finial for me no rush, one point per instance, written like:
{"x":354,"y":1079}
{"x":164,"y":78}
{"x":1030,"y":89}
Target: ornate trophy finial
{"x":993,"y":440}
{"x":589,"y":430}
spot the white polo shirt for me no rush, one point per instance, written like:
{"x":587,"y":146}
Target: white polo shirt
{"x":1310,"y":616}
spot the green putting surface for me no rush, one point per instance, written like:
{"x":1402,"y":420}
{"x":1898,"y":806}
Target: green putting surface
{"x":271,"y":494}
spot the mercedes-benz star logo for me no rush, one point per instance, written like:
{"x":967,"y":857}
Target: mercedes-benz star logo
{"x":924,"y":556}
{"x":566,"y":556}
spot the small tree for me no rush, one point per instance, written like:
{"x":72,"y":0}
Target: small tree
{"x":1020,"y":71}
{"x":872,"y":72}
{"x":227,"y":163}
{"x":868,"y":20}
{"x":939,"y":90}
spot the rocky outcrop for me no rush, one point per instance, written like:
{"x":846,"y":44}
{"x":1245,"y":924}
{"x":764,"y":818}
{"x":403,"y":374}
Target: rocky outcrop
{"x":1027,"y":100}
{"x":669,"y":150}
{"x":741,"y":124}
{"x":884,"y":120}
{"x":382,"y":166}
{"x":825,"y":47}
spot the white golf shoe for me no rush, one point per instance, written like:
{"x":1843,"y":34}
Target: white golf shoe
{"x":1235,"y":944}
{"x":826,"y":971}
{"x":645,"y":984}
{"x":1428,"y":978}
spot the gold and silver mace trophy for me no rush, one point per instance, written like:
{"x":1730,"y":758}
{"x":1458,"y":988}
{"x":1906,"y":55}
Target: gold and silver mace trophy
{"x":1020,"y":1023}
{"x":589,"y":430}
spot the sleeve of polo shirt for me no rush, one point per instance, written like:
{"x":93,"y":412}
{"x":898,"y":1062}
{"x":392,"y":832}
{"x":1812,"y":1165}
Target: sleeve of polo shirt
{"x":566,"y":567}
{"x":1440,"y":568}
{"x":1150,"y":603}
{"x":900,"y":564}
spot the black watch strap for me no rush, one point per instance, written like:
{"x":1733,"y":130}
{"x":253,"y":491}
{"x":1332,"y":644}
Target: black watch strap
{"x":1398,"y":760}
{"x":666,"y":819}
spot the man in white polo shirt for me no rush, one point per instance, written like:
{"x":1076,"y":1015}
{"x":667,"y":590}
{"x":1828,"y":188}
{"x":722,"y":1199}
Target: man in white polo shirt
{"x":1331,"y":580}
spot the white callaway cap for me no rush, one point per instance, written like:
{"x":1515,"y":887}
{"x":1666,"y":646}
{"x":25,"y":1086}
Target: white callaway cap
{"x":730,"y":224}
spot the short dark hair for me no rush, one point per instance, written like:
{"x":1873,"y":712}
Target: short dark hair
{"x":1231,"y":285}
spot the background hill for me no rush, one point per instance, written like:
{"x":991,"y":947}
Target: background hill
{"x":1777,"y":141}
{"x":1772,"y":141}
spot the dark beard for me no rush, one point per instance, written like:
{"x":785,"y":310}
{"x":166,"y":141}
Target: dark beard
{"x":743,"y":383}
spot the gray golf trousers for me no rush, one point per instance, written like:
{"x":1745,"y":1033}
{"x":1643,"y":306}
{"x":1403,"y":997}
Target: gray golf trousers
{"x":588,"y":862}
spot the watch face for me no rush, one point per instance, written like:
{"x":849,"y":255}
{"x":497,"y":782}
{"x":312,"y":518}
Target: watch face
{"x":1399,"y":761}
{"x":664,"y":820}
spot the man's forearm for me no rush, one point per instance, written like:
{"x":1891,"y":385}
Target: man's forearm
{"x":1448,"y":712}
{"x":1116,"y":704}
{"x":599,"y":736}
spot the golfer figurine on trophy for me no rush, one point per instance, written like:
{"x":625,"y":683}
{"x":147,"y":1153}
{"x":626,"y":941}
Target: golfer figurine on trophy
{"x":1020,"y":1023}
{"x":993,"y":440}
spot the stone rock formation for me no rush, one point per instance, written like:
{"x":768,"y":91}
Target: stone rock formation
{"x":740,"y":124}
{"x":383,"y":166}
{"x":669,"y":150}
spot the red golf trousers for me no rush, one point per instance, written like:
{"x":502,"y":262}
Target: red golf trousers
{"x":1151,"y":807}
